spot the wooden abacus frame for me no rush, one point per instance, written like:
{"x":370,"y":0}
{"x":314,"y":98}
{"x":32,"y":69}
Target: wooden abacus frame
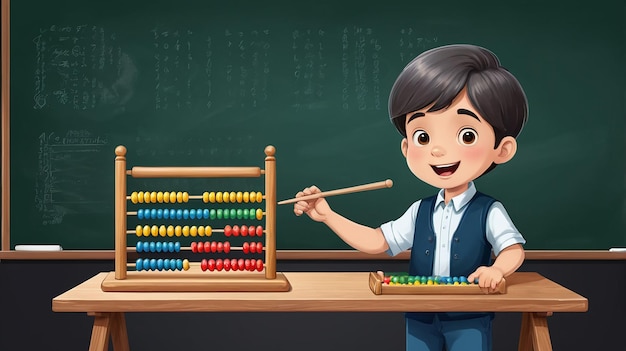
{"x":194,"y":279}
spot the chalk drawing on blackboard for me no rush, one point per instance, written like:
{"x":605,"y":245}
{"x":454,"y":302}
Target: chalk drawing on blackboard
{"x":67,"y":171}
{"x":309,"y":68}
{"x":413,"y":42}
{"x":360,"y":69}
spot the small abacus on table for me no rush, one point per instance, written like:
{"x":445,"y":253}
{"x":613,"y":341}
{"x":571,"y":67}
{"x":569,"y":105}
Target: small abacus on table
{"x":402,"y":283}
{"x":166,"y":236}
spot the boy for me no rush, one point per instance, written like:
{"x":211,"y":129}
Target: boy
{"x":459,"y":113}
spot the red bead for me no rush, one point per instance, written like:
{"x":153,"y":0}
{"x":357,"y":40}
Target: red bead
{"x":226,"y":247}
{"x":227,"y":265}
{"x":213,"y":246}
{"x":233,"y":264}
{"x":199,"y":247}
{"x":251,"y":230}
{"x":244,"y":230}
{"x":194,"y":247}
{"x":246,"y":264}
{"x":220,"y":247}
{"x":246,"y":248}
{"x":236,"y":230}
{"x":203,"y":264}
{"x":219,"y":264}
{"x":252,"y":264}
{"x":207,"y":246}
{"x":227,"y":230}
{"x":241,"y":264}
{"x":252,"y":248}
{"x":259,"y":231}
{"x":211,"y":265}
{"x":259,"y":247}
{"x":259,"y":265}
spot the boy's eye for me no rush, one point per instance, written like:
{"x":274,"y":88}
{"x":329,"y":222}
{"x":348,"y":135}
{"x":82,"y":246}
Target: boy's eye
{"x":468,"y":136}
{"x":420,"y":138}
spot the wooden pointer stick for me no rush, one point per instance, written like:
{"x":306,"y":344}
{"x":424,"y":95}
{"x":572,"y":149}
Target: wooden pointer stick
{"x":353,"y":189}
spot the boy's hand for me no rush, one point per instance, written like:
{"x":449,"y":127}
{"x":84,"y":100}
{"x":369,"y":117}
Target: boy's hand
{"x":317,"y":209}
{"x":488,"y":278}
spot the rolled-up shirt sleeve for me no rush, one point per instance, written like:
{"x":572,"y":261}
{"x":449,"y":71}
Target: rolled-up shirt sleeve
{"x":501,"y":232}
{"x":399,"y":233}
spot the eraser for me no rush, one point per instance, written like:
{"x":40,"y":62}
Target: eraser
{"x":38,"y":248}
{"x":617,"y":249}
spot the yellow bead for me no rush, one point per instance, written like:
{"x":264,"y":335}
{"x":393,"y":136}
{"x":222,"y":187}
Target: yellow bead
{"x":252,"y":196}
{"x":417,"y":282}
{"x":146,"y":230}
{"x":179,"y":197}
{"x":166,"y":197}
{"x":246,"y":197}
{"x":239,"y":196}
{"x":186,"y":230}
{"x":160,"y":197}
{"x":201,"y":230}
{"x":172,"y":197}
{"x":208,"y":230}
{"x":185,"y":197}
{"x":259,"y":214}
{"x":162,"y":230}
{"x":205,"y":197}
{"x":146,"y":197}
{"x":193,"y":231}
{"x":226,"y":197}
{"x":154,"y":230}
{"x":178,"y":230}
{"x":170,"y":230}
{"x":233,"y":197}
{"x":259,"y":197}
{"x":186,"y":264}
{"x":138,"y":230}
{"x":140,"y":197}
{"x":218,"y":197}
{"x":456,"y":283}
{"x":430,"y":282}
{"x":133,"y":197}
{"x":212,"y":197}
{"x":153,"y":197}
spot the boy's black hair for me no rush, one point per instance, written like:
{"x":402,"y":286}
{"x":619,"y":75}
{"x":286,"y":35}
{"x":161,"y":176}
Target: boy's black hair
{"x":437,"y":76}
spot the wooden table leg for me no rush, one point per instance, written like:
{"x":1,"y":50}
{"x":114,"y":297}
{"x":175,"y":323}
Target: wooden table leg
{"x":534,"y":334}
{"x":107,"y":325}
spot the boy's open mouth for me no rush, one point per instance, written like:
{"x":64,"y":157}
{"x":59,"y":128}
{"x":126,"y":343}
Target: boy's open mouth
{"x":447,"y":169}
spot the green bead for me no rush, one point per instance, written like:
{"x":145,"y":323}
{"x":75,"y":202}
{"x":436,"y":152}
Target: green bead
{"x":411,"y":279}
{"x":213,"y":214}
{"x":220,"y":213}
{"x":245,"y":214}
{"x":403,"y":279}
{"x":233,"y":213}
{"x":226,"y":214}
{"x":252,"y":214}
{"x":239,"y":214}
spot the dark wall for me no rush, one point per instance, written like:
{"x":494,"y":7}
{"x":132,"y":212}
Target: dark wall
{"x":28,"y":323}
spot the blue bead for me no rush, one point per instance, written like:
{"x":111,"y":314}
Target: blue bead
{"x":153,"y":213}
{"x":172,"y":264}
{"x":139,"y":246}
{"x":153,"y":264}
{"x":160,"y":213}
{"x":152,"y":246}
{"x":205,"y":213}
{"x":179,"y":264}
{"x":166,"y":264}
{"x":177,"y":246}
{"x":170,"y":247}
{"x":192,"y":214}
{"x":138,"y":265}
{"x":455,"y":279}
{"x":146,"y":264}
{"x":166,"y":214}
{"x":146,"y":246}
{"x":160,"y":264}
{"x":463,"y":279}
{"x":172,"y":213}
{"x":139,"y":214}
{"x":185,"y":214}
{"x":159,"y":246}
{"x":179,"y":214}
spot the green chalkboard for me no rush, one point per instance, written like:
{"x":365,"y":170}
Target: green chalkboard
{"x":200,"y":83}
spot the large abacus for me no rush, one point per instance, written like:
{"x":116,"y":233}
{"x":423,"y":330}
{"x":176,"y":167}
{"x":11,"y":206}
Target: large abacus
{"x":210,"y":274}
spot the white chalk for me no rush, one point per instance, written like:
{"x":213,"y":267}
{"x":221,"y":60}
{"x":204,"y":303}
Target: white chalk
{"x":38,"y":248}
{"x":617,"y":249}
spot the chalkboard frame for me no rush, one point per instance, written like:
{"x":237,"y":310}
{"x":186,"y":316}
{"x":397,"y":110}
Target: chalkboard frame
{"x":7,"y":253}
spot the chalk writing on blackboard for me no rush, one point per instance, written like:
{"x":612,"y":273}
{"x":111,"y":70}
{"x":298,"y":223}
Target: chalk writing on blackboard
{"x":413,"y":43}
{"x":360,"y":68}
{"x":81,"y":67}
{"x":309,"y":67}
{"x":67,"y":168}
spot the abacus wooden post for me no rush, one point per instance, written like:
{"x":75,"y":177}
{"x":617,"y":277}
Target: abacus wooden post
{"x":120,"y":212}
{"x":270,"y":212}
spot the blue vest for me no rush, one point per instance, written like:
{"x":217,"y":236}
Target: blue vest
{"x":468,"y":251}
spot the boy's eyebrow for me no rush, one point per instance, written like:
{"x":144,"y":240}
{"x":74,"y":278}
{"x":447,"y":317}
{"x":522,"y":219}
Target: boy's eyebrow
{"x":417,"y":114}
{"x":463,"y":111}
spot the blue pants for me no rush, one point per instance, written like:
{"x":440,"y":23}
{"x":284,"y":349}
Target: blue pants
{"x":455,"y":335}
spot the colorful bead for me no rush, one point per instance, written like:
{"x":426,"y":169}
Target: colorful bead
{"x":152,"y":246}
{"x":159,"y":247}
{"x":212,"y":197}
{"x":177,"y":246}
{"x":205,"y":197}
{"x":133,"y":197}
{"x":139,"y":264}
{"x":139,"y":246}
{"x":138,"y":230}
{"x":246,"y":197}
{"x":259,"y":197}
{"x":159,"y":213}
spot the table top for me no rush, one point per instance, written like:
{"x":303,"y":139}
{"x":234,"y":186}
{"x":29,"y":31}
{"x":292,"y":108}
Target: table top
{"x":325,"y":292}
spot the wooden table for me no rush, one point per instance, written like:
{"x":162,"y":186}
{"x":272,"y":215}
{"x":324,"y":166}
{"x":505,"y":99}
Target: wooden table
{"x":530,"y":293}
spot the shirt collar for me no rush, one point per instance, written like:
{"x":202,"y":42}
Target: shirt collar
{"x":460,"y":200}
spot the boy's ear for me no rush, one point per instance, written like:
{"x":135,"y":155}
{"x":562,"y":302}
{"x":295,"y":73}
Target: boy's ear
{"x":506,"y":150}
{"x":404,"y":145}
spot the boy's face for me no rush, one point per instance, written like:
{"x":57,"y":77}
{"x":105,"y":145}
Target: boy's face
{"x":451,"y":147}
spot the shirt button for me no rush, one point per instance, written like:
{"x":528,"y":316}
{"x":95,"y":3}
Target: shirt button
{"x":427,"y":252}
{"x":456,"y":257}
